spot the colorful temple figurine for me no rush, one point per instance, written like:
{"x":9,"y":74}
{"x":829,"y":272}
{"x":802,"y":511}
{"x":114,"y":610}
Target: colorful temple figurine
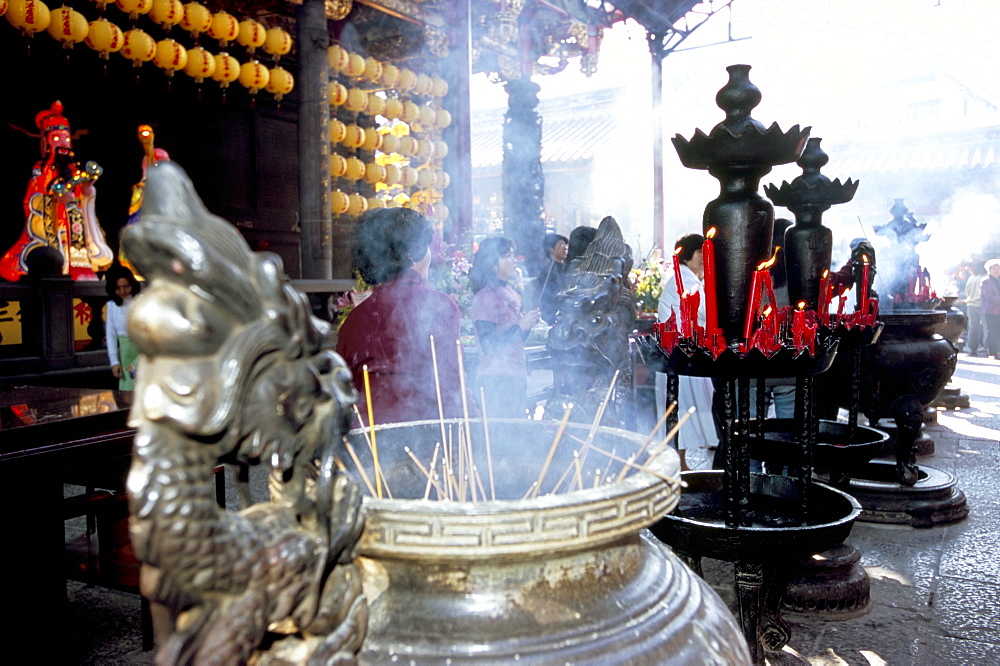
{"x":59,"y":207}
{"x":151,"y":155}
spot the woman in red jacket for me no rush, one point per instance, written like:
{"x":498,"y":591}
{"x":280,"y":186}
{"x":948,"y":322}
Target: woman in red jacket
{"x":390,"y":331}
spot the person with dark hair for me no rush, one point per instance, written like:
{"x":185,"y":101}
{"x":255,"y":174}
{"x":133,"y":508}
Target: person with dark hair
{"x":989,"y":293}
{"x":694,"y":392}
{"x":121,"y":286}
{"x":556,"y":248}
{"x":501,"y":328}
{"x":390,"y":332}
{"x":579,"y":240}
{"x":976,"y":340}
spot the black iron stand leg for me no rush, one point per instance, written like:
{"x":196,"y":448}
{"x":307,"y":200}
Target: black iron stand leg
{"x":730,"y":485}
{"x":672,"y":392}
{"x":742,"y":445}
{"x":749,"y":584}
{"x":774,"y":631}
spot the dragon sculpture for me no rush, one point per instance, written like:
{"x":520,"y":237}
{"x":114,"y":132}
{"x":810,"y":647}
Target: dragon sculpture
{"x":234,"y":368}
{"x":589,"y":341}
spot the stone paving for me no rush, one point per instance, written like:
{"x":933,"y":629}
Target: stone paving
{"x":935,"y":591}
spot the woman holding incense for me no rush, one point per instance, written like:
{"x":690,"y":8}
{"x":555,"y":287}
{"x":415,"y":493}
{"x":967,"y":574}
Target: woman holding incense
{"x":389,"y":334}
{"x":501,"y":328}
{"x":694,"y":392}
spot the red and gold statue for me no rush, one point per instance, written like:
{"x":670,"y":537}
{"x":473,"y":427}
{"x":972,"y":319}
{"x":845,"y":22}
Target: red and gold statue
{"x":59,"y":207}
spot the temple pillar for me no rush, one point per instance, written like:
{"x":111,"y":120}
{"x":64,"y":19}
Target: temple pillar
{"x":523,"y":182}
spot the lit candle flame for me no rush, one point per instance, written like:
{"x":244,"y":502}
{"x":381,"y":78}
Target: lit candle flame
{"x":826,"y":273}
{"x":802,"y":305}
{"x":711,"y":233}
{"x":770,"y":262}
{"x":767,"y":311}
{"x":864,"y":258}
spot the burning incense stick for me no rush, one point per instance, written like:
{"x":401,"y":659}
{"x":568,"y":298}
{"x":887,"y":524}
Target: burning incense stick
{"x":361,"y":470}
{"x":437,"y":387}
{"x":423,"y":470}
{"x":590,"y":434}
{"x":371,"y":426}
{"x":552,"y":449}
{"x":489,"y":452}
{"x":642,"y":468}
{"x":465,"y":409}
{"x":670,"y":435}
{"x":434,"y":457}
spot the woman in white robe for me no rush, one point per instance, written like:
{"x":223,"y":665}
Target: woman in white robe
{"x":699,"y":430}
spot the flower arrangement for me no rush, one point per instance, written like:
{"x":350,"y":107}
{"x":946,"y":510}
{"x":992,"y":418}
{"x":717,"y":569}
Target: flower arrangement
{"x":648,"y":281}
{"x":351,"y":299}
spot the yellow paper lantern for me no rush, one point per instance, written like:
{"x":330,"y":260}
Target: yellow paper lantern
{"x":3,"y":7}
{"x":373,"y":140}
{"x":375,"y":202}
{"x":200,"y":64}
{"x":254,"y":76}
{"x":407,"y":146}
{"x":374,"y":173}
{"x":138,"y":46}
{"x":423,"y":84}
{"x":338,"y":94}
{"x":102,"y":3}
{"x":337,"y":57}
{"x":441,"y":211}
{"x":29,"y":16}
{"x":424,"y":149}
{"x":373,"y":69}
{"x":170,"y":56}
{"x":353,"y":137}
{"x":355,"y":65}
{"x":224,"y":28}
{"x":390,"y":143}
{"x":406,"y":80}
{"x":357,"y":204}
{"x":227,"y":69}
{"x":355,"y":169}
{"x":410,"y":112}
{"x":338,"y":131}
{"x":392,"y":174}
{"x":280,"y":83}
{"x":277,"y":41}
{"x":443,"y":118}
{"x":338,"y":165}
{"x":390,"y":75}
{"x":393,"y":107}
{"x":442,"y":180}
{"x":104,"y":37}
{"x":251,"y":34}
{"x":339,"y":202}
{"x":428,"y":116}
{"x":440,"y":149}
{"x":167,"y":13}
{"x":68,"y":26}
{"x":425,"y":179}
{"x":439,"y":87}
{"x":376,"y":105}
{"x":197,"y":19}
{"x":134,"y":7}
{"x":357,"y":100}
{"x":408,"y":176}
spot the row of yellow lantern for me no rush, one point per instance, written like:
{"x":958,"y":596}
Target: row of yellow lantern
{"x":368,"y":138}
{"x":71,"y":27}
{"x":354,"y":204}
{"x":354,"y":169}
{"x":373,"y":104}
{"x":383,"y":74}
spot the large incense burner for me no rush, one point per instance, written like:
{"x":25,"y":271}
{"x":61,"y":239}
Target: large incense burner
{"x":556,"y":569}
{"x":480,"y":541}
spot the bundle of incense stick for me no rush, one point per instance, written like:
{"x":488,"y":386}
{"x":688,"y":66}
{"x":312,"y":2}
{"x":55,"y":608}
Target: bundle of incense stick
{"x":452,"y":471}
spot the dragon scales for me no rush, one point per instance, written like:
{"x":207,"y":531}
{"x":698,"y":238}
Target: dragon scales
{"x":234,"y":368}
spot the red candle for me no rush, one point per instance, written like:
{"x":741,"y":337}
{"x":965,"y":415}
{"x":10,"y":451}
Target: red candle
{"x":708,"y":256}
{"x":753,"y":306}
{"x":677,"y":273}
{"x":841,"y":304}
{"x":799,"y":325}
{"x":822,"y":305}
{"x":864,"y":281}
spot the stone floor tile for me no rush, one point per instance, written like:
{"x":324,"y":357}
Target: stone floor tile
{"x":967,"y":609}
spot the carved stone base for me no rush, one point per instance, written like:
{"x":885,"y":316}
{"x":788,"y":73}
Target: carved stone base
{"x":829,"y":586}
{"x":933,"y":500}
